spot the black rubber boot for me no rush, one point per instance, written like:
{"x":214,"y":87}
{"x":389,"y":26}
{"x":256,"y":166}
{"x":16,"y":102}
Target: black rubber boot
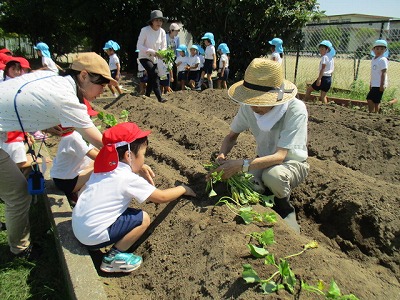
{"x":287,"y":212}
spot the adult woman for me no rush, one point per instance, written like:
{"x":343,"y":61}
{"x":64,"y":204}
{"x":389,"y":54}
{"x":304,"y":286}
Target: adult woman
{"x":152,"y":38}
{"x":43,"y":100}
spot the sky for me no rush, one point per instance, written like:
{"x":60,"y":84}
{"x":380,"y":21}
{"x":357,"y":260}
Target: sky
{"x":385,"y":8}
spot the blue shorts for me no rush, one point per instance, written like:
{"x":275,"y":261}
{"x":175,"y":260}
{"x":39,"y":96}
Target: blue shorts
{"x":194,"y":75}
{"x":208,"y":66}
{"x":142,"y":76}
{"x":66,"y":185}
{"x":375,"y":95}
{"x":164,"y":82}
{"x":326,"y":82}
{"x":182,"y":75}
{"x":225,"y":77}
{"x":125,"y":223}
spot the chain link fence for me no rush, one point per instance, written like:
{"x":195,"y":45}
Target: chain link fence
{"x":353,"y":42}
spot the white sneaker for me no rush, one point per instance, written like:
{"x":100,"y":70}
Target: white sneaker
{"x":121,"y":262}
{"x":115,"y":95}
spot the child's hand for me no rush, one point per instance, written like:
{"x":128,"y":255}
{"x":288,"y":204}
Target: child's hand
{"x":147,"y":173}
{"x":189,"y":191}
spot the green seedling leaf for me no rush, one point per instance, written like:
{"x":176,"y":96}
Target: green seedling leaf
{"x":311,"y":245}
{"x":268,"y":201}
{"x":312,"y":289}
{"x":269,"y":287}
{"x":247,"y":216}
{"x":212,"y":193}
{"x":124,"y":115}
{"x":267,"y":237}
{"x":269,"y":217}
{"x":257,"y":252}
{"x":249,"y":275}
{"x":270,"y":259}
{"x":287,"y":274}
{"x":333,"y":291}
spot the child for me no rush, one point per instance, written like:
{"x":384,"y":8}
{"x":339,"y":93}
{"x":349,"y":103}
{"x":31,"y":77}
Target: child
{"x":142,"y":75}
{"x":115,"y":67}
{"x":48,"y":64}
{"x":181,"y":62}
{"x":193,"y":67}
{"x":166,"y":76}
{"x":276,"y":49}
{"x":378,"y":83}
{"x":223,"y":69}
{"x":73,"y":163}
{"x":326,"y":67}
{"x":210,"y":62}
{"x":102,"y":215}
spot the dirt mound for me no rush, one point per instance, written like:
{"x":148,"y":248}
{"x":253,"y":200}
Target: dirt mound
{"x":349,"y":204}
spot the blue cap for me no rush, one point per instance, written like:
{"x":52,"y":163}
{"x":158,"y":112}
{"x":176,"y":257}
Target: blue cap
{"x":277,"y":42}
{"x":42,"y":47}
{"x":182,"y":48}
{"x":195,"y":48}
{"x":381,"y":43}
{"x":224,"y":48}
{"x":111,"y":45}
{"x":209,"y":36}
{"x":332,"y":51}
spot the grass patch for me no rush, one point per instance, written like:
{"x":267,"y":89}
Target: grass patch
{"x":41,"y":279}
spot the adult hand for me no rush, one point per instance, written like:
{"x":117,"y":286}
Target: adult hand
{"x":229,"y":167}
{"x":147,"y":173}
{"x":151,"y":52}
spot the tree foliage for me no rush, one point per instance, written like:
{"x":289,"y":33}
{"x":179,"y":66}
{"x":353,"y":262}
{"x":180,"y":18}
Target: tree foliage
{"x":245,"y":25}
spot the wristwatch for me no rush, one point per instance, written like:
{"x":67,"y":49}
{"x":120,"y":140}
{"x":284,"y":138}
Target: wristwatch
{"x":246,"y":165}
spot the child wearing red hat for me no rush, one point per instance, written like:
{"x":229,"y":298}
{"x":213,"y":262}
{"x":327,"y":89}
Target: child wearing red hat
{"x":102,"y":215}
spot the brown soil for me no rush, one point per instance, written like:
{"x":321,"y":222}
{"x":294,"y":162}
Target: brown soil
{"x":349,"y":204}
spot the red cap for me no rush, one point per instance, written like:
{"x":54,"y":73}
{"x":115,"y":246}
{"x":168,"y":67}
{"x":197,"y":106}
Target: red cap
{"x":2,"y":66}
{"x":15,"y":136}
{"x":5,"y":50}
{"x":4,"y":58}
{"x":116,"y":136}
{"x":23,"y":61}
{"x":90,"y":110}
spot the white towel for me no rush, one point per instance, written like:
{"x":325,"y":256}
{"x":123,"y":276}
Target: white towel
{"x":267,"y":121}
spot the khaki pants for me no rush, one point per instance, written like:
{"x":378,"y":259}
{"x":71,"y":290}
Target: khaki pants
{"x":14,"y":192}
{"x":281,"y":179}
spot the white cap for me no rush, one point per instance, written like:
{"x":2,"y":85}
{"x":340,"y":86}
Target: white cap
{"x":174,"y":26}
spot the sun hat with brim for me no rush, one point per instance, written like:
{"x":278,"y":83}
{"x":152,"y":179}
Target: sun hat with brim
{"x":263,"y":85}
{"x":119,"y":135}
{"x":381,"y":43}
{"x":224,"y":48}
{"x":42,"y":47}
{"x":156,"y":14}
{"x":209,"y":36}
{"x":93,"y":63}
{"x":174,"y":26}
{"x":111,"y":45}
{"x":4,"y":58}
{"x":277,"y":42}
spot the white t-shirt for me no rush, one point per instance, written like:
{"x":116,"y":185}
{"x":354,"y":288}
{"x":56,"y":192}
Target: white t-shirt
{"x":192,"y":61}
{"x":222,"y":59}
{"x":183,"y":60}
{"x":162,"y":69}
{"x":103,"y":199}
{"x":71,"y":157}
{"x":210,"y":52}
{"x":377,"y":65}
{"x":329,"y":65}
{"x":113,"y":61}
{"x":153,"y":40}
{"x":43,"y":102}
{"x":16,"y":150}
{"x":49,"y":63}
{"x":202,"y":60}
{"x":290,"y":132}
{"x":276,"y":57}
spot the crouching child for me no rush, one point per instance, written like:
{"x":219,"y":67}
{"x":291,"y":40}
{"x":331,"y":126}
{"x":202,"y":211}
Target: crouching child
{"x":102,"y":216}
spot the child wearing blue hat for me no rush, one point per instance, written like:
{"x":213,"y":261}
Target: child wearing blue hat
{"x":193,"y":67}
{"x":277,"y":49}
{"x":210,"y":62}
{"x":326,"y":68}
{"x":115,"y":67}
{"x":223,"y":67}
{"x":42,"y":50}
{"x":378,"y":83}
{"x":181,"y":62}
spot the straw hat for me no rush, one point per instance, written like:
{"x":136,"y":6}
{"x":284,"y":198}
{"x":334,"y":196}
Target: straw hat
{"x":263,"y":85}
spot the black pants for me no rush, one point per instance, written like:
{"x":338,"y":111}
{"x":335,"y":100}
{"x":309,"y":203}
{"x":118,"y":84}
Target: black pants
{"x":153,"y":82}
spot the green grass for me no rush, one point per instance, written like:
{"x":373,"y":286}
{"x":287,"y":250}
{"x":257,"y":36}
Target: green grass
{"x":41,"y":279}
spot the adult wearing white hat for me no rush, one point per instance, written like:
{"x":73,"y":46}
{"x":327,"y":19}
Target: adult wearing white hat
{"x":37,"y":101}
{"x":152,"y":38}
{"x":278,"y":121}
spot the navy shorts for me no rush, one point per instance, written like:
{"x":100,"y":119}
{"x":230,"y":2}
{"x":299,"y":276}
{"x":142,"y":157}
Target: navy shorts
{"x":194,"y":75}
{"x":208,"y":66}
{"x":375,"y":95}
{"x":66,"y":185}
{"x":125,"y":223}
{"x":142,"y":76}
{"x":164,"y":82}
{"x":113,"y":73}
{"x":326,"y":82}
{"x":225,"y":77}
{"x":182,"y":75}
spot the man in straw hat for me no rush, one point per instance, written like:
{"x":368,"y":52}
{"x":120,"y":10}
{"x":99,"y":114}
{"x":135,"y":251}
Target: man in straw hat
{"x":278,"y":121}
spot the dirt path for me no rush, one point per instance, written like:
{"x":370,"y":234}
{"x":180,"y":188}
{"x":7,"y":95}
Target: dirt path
{"x":349,"y":204}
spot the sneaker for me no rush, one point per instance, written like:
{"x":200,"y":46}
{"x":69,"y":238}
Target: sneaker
{"x":163,"y":100}
{"x":121,"y":262}
{"x":115,"y":95}
{"x":33,"y":252}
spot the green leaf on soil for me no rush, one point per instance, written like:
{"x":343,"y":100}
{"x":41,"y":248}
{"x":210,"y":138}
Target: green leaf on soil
{"x":258,"y":252}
